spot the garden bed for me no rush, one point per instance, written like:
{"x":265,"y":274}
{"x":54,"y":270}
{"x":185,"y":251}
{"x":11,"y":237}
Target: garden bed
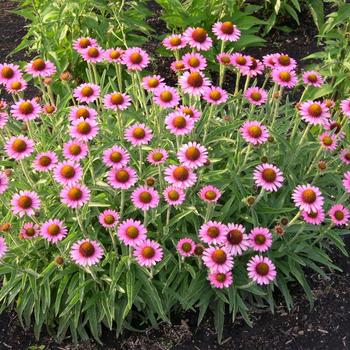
{"x":325,"y":326}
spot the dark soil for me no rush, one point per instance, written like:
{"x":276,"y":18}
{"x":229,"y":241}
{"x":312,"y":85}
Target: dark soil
{"x":326,"y":326}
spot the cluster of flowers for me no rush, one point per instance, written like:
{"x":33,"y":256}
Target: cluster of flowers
{"x":223,"y":241}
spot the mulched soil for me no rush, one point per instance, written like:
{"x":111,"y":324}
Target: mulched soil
{"x":326,"y":326}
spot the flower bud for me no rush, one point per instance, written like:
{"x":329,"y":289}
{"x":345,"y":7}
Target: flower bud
{"x":59,"y":260}
{"x":48,"y":81}
{"x":5,"y":227}
{"x":150,"y":181}
{"x":250,"y":200}
{"x":66,"y":76}
{"x":322,"y":165}
{"x":199,"y":249}
{"x":264,"y":159}
{"x":49,"y":109}
{"x":284,"y":221}
{"x":8,"y":172}
{"x":279,"y":230}
{"x":270,"y":139}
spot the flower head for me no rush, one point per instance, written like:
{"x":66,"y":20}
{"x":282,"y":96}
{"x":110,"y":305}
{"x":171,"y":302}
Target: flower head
{"x":8,"y":72}
{"x":215,"y":95}
{"x":53,"y":230}
{"x":138,"y":134}
{"x":345,"y":107}
{"x":86,"y":252}
{"x":115,"y":157}
{"x":25,"y":110}
{"x":75,"y":195}
{"x":192,"y":155}
{"x":174,"y":42}
{"x":166,"y":97}
{"x":180,"y":175}
{"x":40,"y":68}
{"x":194,"y":61}
{"x":145,"y":198}
{"x":75,"y":150}
{"x":256,"y":96}
{"x":132,"y":232}
{"x":84,"y":129}
{"x":148,"y":253}
{"x":77,"y":112}
{"x":312,"y":78}
{"x":209,"y":194}
{"x":314,"y":112}
{"x":67,"y":173}
{"x":109,"y":218}
{"x":284,"y":77}
{"x":308,"y":198}
{"x":117,"y":101}
{"x":346,"y":181}
{"x":226,"y":31}
{"x":268,"y":176}
{"x":19,"y":147}
{"x":4,"y":182}
{"x":25,"y":203}
{"x":254,"y":132}
{"x":93,"y":54}
{"x":174,"y":195}
{"x":135,"y":58}
{"x":157,"y":156}
{"x":192,"y":112}
{"x":284,"y":61}
{"x":198,"y":38}
{"x":236,"y":239}
{"x":339,"y":214}
{"x":114,"y":55}
{"x":218,"y":259}
{"x":220,"y":280}
{"x":87,"y":92}
{"x":45,"y":161}
{"x":122,"y":177}
{"x":185,"y":247}
{"x":152,"y":82}
{"x":194,"y":83}
{"x":328,"y":141}
{"x":260,"y":239}
{"x":3,"y":247}
{"x":83,"y":43}
{"x":261,"y":270}
{"x":313,"y":217}
{"x":29,"y":230}
{"x":212,"y":232}
{"x":179,"y":123}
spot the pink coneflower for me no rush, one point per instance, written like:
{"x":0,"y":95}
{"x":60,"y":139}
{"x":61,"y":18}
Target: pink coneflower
{"x":109,"y":218}
{"x":213,"y":232}
{"x":15,"y":86}
{"x":3,"y":119}
{"x":180,"y":175}
{"x":166,"y":97}
{"x":215,"y":95}
{"x":145,"y":198}
{"x":114,"y":55}
{"x":87,"y":92}
{"x":152,"y":82}
{"x":255,"y":68}
{"x":45,"y":161}
{"x":218,"y":260}
{"x":148,"y":253}
{"x":194,"y":83}
{"x":308,"y":198}
{"x":312,"y":78}
{"x":254,"y":132}
{"x":346,"y":181}
{"x":261,"y":269}
{"x":226,"y":31}
{"x":345,"y":107}
{"x":256,"y":96}
{"x":138,"y":134}
{"x":117,"y":101}
{"x":115,"y":157}
{"x":75,"y":196}
{"x":339,"y":214}
{"x":157,"y":156}
{"x":283,"y":61}
{"x":268,"y":176}
{"x":284,"y":77}
{"x":4,"y":182}
{"x":328,"y":141}
{"x":241,"y":61}
{"x":132,"y":232}
{"x":174,"y":195}
{"x":177,"y":66}
{"x":270,"y":60}
{"x":40,"y":68}
{"x":192,"y":112}
{"x":77,"y":112}
{"x":194,"y":61}
{"x":8,"y":72}
{"x":260,"y":239}
{"x":198,"y":38}
{"x":210,"y":194}
{"x":313,"y":217}
{"x":84,"y":129}
{"x":83,"y":43}
{"x":122,"y":178}
{"x":220,"y":280}
{"x":93,"y":54}
{"x":135,"y":58}
{"x":86,"y":252}
{"x":25,"y":110}
{"x":174,"y":42}
{"x":29,"y":230}
{"x":25,"y":203}
{"x":19,"y":147}
{"x":3,"y":247}
{"x":75,"y":150}
{"x":236,"y":240}
{"x":224,"y":58}
{"x":192,"y":155}
{"x":186,"y":246}
{"x":345,"y":156}
{"x":179,"y":123}
{"x":314,"y":112}
{"x":53,"y":230}
{"x":67,"y":172}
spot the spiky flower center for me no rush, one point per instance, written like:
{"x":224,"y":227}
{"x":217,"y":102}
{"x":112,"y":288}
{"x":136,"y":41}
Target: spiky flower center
{"x":19,"y":145}
{"x":195,"y":79}
{"x":220,"y":277}
{"x":157,"y":157}
{"x":187,"y":111}
{"x":39,"y":64}
{"x":256,"y":96}
{"x":148,"y":252}
{"x":186,"y":247}
{"x":215,"y":95}
{"x":339,"y":215}
{"x":87,"y":91}
{"x":67,"y":171}
{"x":262,"y":269}
{"x":109,"y":219}
{"x":116,"y":157}
{"x":179,"y":122}
{"x":210,"y":195}
{"x":132,"y":232}
{"x":173,"y":195}
{"x":93,"y":52}
{"x":84,"y":128}
{"x":139,"y":133}
{"x":16,"y":85}
{"x":309,"y":196}
{"x":84,"y":43}
{"x":285,"y":76}
{"x":53,"y":230}
{"x":87,"y":249}
{"x":75,"y":149}
{"x":181,"y":173}
{"x":312,"y":78}
{"x":83,"y":113}
{"x":255,"y":131}
{"x":284,"y":60}
{"x":225,"y":59}
{"x":49,"y":109}
{"x":175,"y":41}
{"x":136,"y":58}
{"x":122,"y":176}
{"x":166,"y":96}
{"x":327,"y":140}
{"x":117,"y":98}
{"x":269,"y":175}
{"x":193,"y":153}
{"x":25,"y":202}
{"x":260,"y":239}
{"x":213,"y":232}
{"x":179,"y":65}
{"x":153,"y":82}
{"x":7,"y":72}
{"x":114,"y":54}
{"x":30,"y":231}
{"x":199,"y":35}
{"x":315,"y":110}
{"x":145,"y":197}
{"x":75,"y":194}
{"x":44,"y":161}
{"x":219,"y":256}
{"x":26,"y":107}
{"x":194,"y":62}
{"x":227,"y":27}
{"x":241,"y":60}
{"x":235,"y":237}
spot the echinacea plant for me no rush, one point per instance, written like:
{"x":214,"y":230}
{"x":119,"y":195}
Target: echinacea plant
{"x":125,"y":200}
